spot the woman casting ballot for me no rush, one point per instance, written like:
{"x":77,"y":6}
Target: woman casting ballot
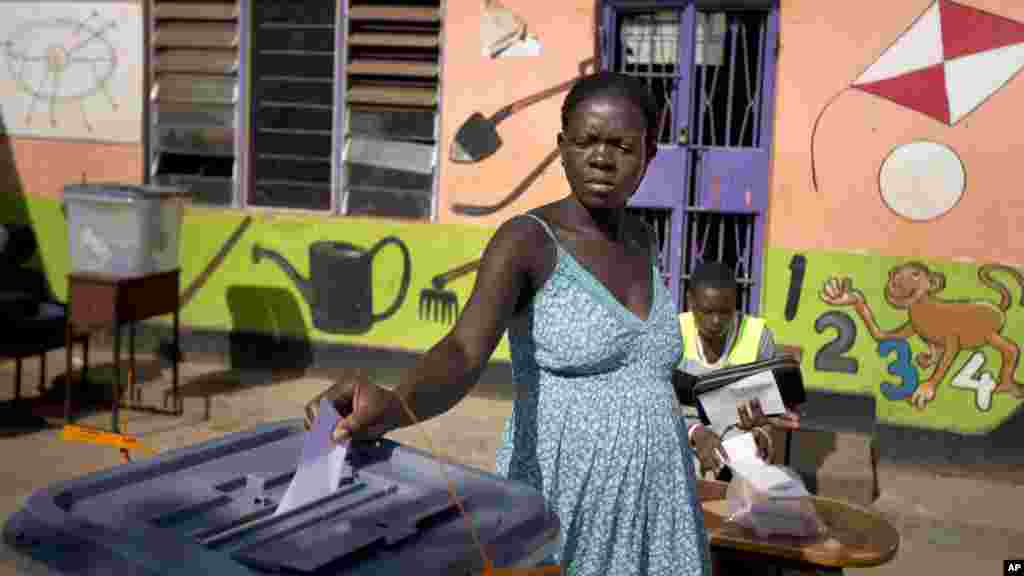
{"x":594,"y":339}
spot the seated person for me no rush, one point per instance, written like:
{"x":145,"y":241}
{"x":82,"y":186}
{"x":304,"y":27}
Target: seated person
{"x":714,"y":337}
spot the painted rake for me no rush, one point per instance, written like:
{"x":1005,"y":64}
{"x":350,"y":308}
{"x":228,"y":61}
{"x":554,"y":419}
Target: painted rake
{"x":438,"y":304}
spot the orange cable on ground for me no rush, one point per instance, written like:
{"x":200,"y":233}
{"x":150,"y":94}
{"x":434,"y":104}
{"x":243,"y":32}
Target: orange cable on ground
{"x":124,"y":442}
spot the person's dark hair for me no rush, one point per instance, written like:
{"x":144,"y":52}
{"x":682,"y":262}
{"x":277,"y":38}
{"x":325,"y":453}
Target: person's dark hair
{"x":607,"y":83}
{"x":717,"y":275}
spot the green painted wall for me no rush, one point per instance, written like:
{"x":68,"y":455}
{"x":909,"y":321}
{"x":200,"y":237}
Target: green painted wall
{"x":960,"y":404}
{"x":244,"y":295}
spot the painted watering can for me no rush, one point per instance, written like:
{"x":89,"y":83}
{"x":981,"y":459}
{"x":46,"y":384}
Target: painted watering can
{"x":339,"y":290}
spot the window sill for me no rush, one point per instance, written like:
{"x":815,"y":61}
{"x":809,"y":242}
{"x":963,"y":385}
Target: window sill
{"x":272,"y":213}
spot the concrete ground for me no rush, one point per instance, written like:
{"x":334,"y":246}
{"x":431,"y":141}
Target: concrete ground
{"x":952,"y":521}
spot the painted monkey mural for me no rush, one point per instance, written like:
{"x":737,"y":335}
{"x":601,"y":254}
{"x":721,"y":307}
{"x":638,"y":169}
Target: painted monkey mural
{"x":946,"y":326}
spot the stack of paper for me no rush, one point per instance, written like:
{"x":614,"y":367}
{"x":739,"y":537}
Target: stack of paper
{"x":766,"y":478}
{"x":321,"y":463}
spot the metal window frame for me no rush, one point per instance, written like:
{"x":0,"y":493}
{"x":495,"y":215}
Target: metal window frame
{"x":339,"y":140}
{"x":243,"y":141}
{"x":339,"y":184}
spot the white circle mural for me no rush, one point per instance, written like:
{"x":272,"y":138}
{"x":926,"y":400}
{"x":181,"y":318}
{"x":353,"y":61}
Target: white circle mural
{"x":921,"y":181}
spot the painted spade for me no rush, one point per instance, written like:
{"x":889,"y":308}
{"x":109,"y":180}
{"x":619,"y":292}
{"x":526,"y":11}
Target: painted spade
{"x":477,"y":139}
{"x":339,"y":289}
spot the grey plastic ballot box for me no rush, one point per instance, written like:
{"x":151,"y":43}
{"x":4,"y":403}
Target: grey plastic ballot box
{"x":209,"y":509}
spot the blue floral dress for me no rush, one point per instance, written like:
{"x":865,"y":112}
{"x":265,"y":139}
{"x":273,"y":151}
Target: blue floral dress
{"x":594,"y":427}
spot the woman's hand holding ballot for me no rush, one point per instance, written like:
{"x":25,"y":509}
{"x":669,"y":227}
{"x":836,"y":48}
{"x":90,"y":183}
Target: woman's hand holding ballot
{"x":367,"y":410}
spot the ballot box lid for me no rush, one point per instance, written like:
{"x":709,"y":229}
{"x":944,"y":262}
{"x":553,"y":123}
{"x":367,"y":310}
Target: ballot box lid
{"x":192,"y":511}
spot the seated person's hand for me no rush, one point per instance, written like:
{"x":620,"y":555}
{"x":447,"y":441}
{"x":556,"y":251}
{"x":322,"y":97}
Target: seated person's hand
{"x":754,"y":421}
{"x":710,"y":451}
{"x":753,"y":417}
{"x":763,"y":439}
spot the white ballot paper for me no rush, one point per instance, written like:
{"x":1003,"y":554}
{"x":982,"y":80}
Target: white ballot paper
{"x":721,"y":405}
{"x":321,"y":463}
{"x":745,"y":462}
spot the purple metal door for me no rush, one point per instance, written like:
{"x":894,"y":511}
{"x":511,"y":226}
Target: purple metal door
{"x":710,"y":64}
{"x":733,"y":96}
{"x":648,"y":42}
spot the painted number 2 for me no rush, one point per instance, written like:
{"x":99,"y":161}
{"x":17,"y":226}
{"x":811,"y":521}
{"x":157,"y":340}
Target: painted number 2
{"x":983,"y":384}
{"x":829,"y":358}
{"x":901,"y":368}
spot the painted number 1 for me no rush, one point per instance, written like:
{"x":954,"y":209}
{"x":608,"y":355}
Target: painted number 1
{"x":969,"y":379}
{"x":902,"y":368}
{"x":829,"y":358}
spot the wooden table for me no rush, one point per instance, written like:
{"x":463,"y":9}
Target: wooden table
{"x":100,"y":300}
{"x":857,"y":537}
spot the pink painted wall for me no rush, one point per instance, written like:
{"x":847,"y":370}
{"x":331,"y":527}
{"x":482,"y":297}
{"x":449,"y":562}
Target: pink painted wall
{"x":476,"y":83}
{"x":42,"y":167}
{"x":471,"y":82}
{"x":825,"y":46}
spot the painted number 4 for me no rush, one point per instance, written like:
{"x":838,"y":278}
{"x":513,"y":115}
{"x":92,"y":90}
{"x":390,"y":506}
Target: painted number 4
{"x":983,"y":384}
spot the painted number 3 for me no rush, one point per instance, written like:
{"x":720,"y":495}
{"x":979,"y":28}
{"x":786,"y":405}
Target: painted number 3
{"x":901,"y":368}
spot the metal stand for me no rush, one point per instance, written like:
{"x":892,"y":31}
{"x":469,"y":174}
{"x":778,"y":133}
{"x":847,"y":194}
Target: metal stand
{"x":96,"y":300}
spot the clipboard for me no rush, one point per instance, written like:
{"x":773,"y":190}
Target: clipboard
{"x":785,"y":370}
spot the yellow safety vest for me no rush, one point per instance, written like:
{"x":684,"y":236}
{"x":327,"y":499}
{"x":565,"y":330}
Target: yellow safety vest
{"x":745,"y":345}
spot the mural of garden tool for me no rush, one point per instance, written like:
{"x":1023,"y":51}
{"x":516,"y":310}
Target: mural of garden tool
{"x":339,"y":290}
{"x":519,"y":190}
{"x":167,"y":351}
{"x":442,"y":305}
{"x":477,"y":139}
{"x":215,"y":263}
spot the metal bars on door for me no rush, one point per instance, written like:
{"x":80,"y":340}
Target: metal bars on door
{"x":711,"y":71}
{"x":728,"y":189}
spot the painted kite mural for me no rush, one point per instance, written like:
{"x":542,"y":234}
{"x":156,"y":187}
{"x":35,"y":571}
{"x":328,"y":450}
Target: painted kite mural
{"x":945,"y":65}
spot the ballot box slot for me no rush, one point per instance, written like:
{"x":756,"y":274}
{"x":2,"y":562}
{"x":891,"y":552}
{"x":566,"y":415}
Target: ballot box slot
{"x":313,"y":549}
{"x":274,"y":524}
{"x":233,"y":491}
{"x":284,"y":525}
{"x":210,"y":535}
{"x":316,"y":543}
{"x":273,"y":481}
{"x":186,"y":513}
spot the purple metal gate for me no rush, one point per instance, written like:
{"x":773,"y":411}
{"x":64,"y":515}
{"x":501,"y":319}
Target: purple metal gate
{"x":710,"y":64}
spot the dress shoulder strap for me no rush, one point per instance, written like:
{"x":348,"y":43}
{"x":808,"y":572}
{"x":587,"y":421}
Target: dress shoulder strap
{"x":544,"y":225}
